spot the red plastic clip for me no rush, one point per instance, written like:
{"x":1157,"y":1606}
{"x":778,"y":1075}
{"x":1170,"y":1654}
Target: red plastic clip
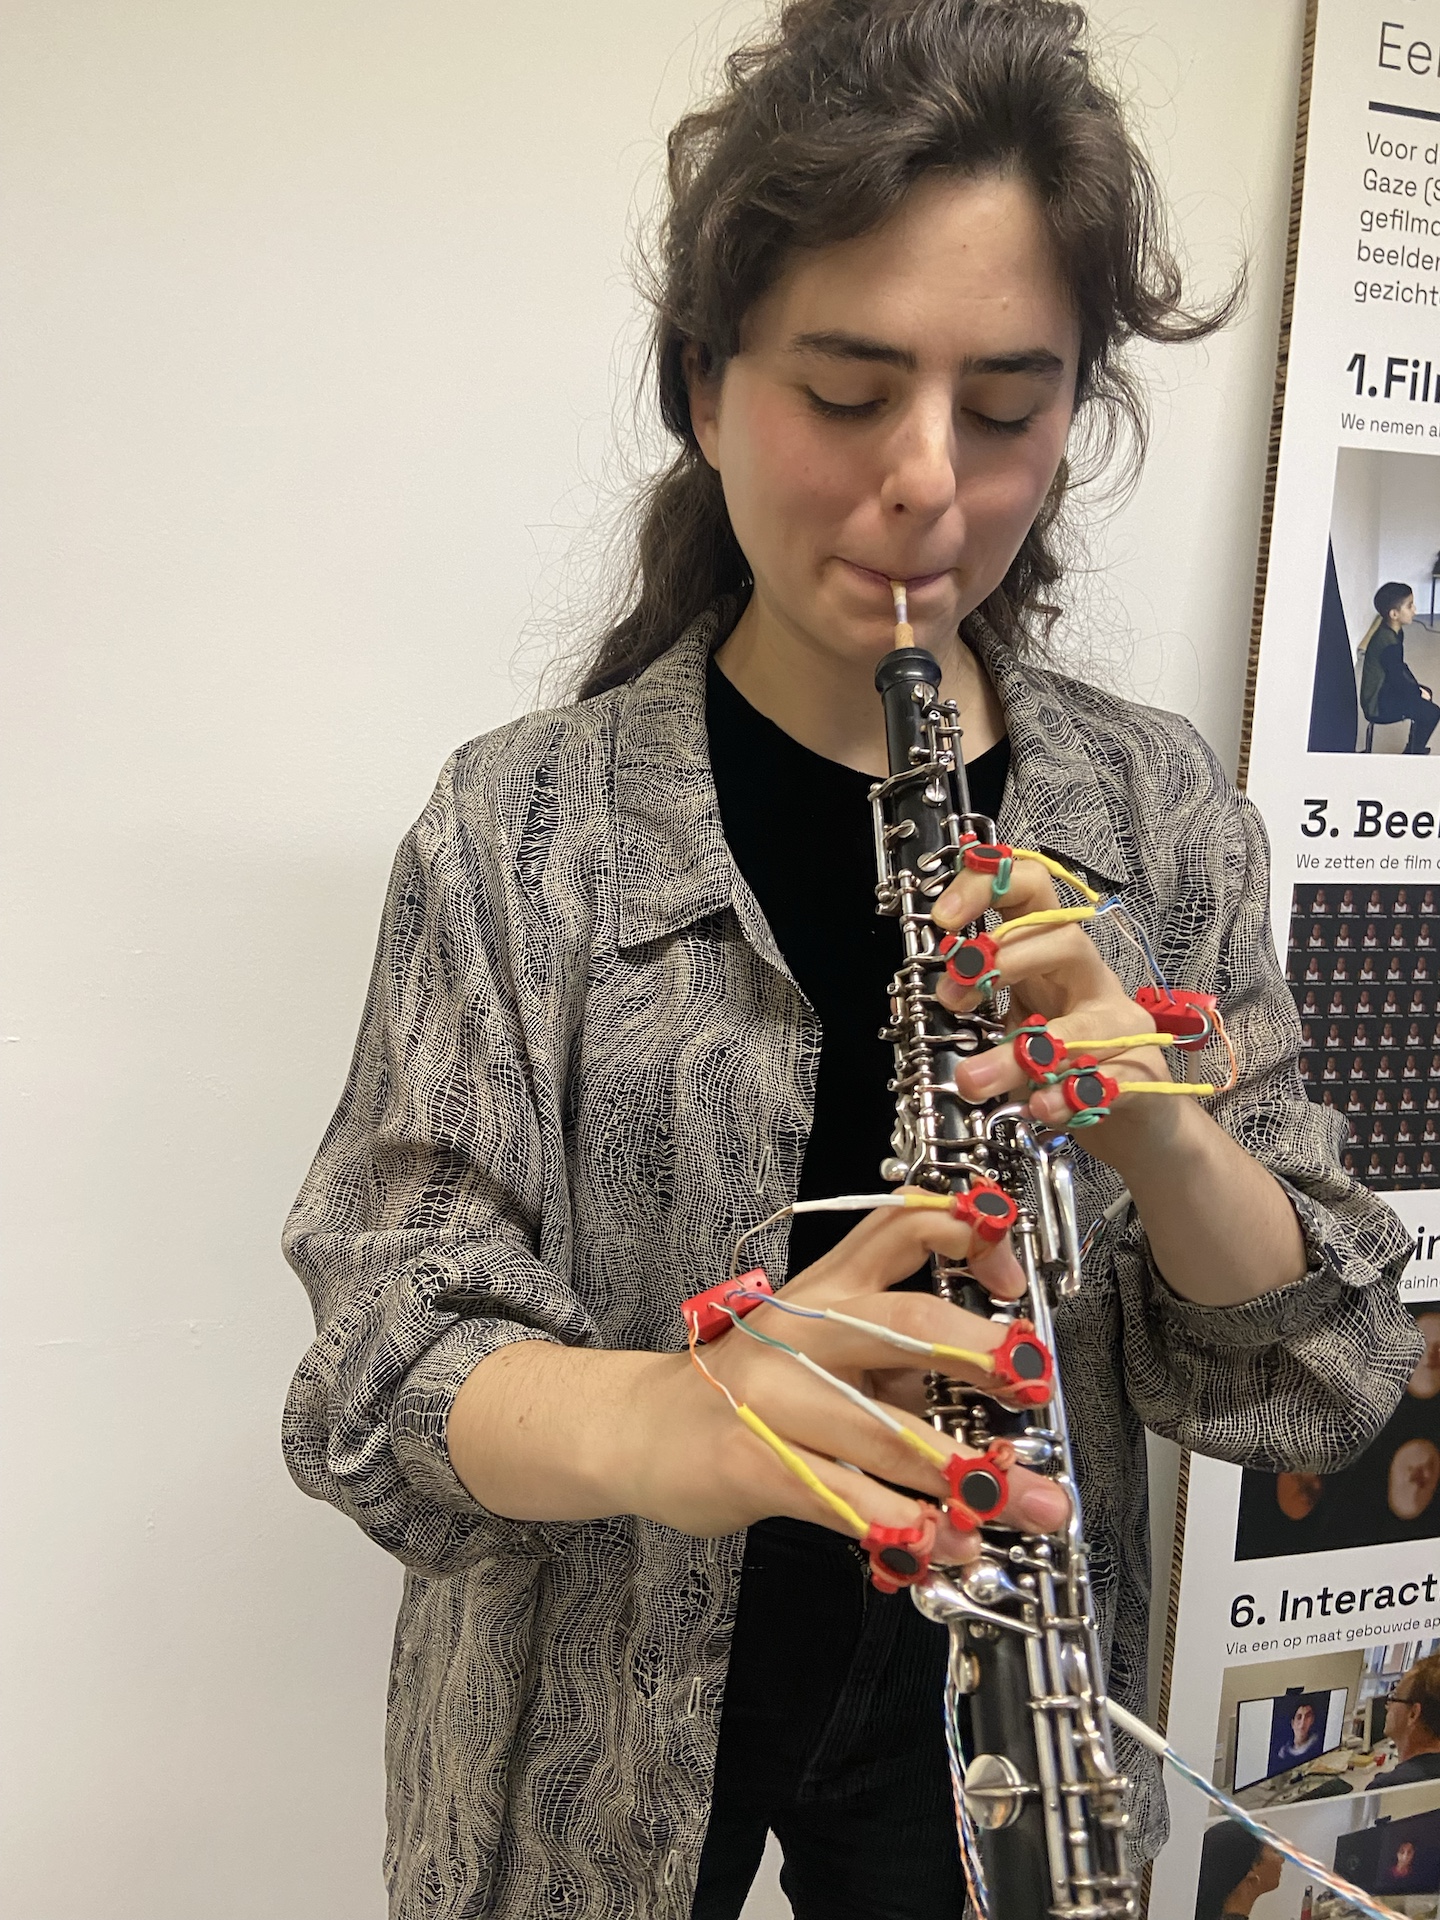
{"x":982,"y":858}
{"x":706,"y":1313}
{"x":1181,"y":1013}
{"x":1038,"y":1051}
{"x":1088,"y":1089}
{"x":899,"y":1556}
{"x":1024,"y":1366}
{"x":986,"y":1209}
{"x":979,"y":1485}
{"x":970,"y":963}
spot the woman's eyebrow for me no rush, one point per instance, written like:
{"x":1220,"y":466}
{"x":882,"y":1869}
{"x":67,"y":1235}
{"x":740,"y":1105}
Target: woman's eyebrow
{"x":1037,"y":362}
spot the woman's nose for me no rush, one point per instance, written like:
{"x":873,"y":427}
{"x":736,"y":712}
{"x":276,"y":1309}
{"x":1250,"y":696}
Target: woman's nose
{"x":921,"y":478}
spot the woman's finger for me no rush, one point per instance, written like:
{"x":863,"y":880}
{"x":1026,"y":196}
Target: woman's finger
{"x":969,"y":895}
{"x":997,"y":1070}
{"x":1055,"y":967}
{"x":998,"y":1271}
{"x":856,"y":1345}
{"x":888,"y":1246}
{"x":822,"y":1432}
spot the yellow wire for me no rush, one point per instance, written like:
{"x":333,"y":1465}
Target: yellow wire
{"x":907,"y":1343}
{"x":797,"y":1466}
{"x":1047,"y":917}
{"x":1165,"y":1086}
{"x":1125,"y":1040}
{"x":984,"y":1361}
{"x":923,"y":1447}
{"x":918,"y":1197}
{"x":1054,"y":868}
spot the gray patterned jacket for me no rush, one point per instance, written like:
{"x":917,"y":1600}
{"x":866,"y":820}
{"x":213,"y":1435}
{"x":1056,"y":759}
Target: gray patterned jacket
{"x":583,"y":1068}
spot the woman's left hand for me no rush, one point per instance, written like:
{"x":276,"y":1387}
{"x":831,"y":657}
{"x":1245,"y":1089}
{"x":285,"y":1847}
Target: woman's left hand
{"x":1056,"y":972}
{"x":1221,"y":1229}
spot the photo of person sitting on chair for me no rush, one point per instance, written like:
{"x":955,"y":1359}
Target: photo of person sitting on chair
{"x":1389,"y":691}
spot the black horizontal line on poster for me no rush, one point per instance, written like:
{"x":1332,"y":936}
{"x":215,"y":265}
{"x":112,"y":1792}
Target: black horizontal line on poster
{"x":1407,"y":113}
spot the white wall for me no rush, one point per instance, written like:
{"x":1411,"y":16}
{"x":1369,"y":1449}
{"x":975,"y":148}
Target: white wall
{"x":1355,"y":534}
{"x":315,"y":316}
{"x":1409,"y":522}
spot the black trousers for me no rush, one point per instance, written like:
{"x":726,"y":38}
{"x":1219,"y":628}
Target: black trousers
{"x":831,"y":1738}
{"x":1408,"y":703}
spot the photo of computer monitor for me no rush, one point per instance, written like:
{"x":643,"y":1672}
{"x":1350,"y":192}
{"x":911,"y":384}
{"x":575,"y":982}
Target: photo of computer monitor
{"x":1393,"y":1856}
{"x":1287,"y":1730}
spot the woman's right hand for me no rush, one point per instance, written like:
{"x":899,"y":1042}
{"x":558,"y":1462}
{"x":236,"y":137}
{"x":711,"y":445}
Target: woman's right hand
{"x":695,"y":1466}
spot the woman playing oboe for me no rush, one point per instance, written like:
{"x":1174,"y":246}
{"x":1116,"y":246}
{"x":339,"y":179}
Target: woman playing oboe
{"x":625,"y":1008}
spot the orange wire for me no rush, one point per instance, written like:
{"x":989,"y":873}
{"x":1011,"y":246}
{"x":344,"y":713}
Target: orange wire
{"x":1223,"y":1032}
{"x":693,"y":1332}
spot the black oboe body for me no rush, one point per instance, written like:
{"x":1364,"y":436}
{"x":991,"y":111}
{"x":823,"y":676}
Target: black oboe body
{"x":1042,"y":1806}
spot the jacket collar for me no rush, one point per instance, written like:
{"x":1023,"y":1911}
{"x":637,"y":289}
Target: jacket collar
{"x":674,"y":864}
{"x":1067,"y":794}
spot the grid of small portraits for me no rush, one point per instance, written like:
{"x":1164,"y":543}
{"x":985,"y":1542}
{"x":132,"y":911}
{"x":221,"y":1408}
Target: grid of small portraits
{"x":1364,"y":966}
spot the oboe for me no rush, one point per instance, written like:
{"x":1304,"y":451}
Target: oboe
{"x":1040,"y":1801}
{"x":1041,"y":1804}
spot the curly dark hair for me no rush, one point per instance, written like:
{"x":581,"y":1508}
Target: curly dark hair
{"x":817,"y":137}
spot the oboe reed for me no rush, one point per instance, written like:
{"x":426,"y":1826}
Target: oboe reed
{"x":904,"y":632}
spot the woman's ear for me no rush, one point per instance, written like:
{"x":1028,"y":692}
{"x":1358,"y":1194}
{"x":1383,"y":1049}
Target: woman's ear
{"x":702,"y":386}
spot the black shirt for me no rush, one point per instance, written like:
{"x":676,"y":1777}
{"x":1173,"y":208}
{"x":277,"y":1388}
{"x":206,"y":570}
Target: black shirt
{"x":810,"y":1634}
{"x":799,"y":828}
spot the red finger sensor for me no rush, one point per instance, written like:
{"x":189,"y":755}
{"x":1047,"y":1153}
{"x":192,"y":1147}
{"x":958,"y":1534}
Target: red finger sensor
{"x":979,"y":1485}
{"x":706,"y":1312}
{"x":986,"y":1209}
{"x":1087,"y":1089}
{"x":1181,"y":1013}
{"x":1039,"y":1052}
{"x":899,"y":1556}
{"x":970,"y":963}
{"x":982,"y":858}
{"x":1024,"y":1366}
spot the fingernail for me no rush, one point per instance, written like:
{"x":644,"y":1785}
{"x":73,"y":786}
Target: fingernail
{"x":1043,"y":1507}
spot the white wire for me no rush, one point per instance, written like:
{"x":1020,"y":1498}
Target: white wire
{"x":852,"y":1394}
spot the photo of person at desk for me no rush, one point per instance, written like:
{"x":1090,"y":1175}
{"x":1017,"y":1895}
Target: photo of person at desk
{"x":1412,"y":1726}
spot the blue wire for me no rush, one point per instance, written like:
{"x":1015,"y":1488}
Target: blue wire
{"x":1114,"y":904}
{"x":769,"y":1300}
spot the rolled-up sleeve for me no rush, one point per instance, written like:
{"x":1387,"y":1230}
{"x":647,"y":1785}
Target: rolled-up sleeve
{"x":1306,"y":1375}
{"x":423,"y":1233}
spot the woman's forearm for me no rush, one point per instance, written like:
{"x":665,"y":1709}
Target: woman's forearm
{"x":1221,"y":1228}
{"x":544,"y":1432}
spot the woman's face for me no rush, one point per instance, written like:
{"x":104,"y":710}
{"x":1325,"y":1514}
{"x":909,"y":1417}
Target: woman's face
{"x":1414,"y":1476}
{"x":1268,"y":1868}
{"x":1298,"y":1494}
{"x":1424,"y":1382}
{"x":897,"y":410}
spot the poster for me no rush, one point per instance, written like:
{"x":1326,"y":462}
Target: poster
{"x":1306,"y":1601}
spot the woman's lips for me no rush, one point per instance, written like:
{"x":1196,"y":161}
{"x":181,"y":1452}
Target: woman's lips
{"x":913,"y":583}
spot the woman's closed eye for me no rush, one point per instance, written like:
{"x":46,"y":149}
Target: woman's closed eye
{"x":987,"y":423}
{"x":842,"y":410}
